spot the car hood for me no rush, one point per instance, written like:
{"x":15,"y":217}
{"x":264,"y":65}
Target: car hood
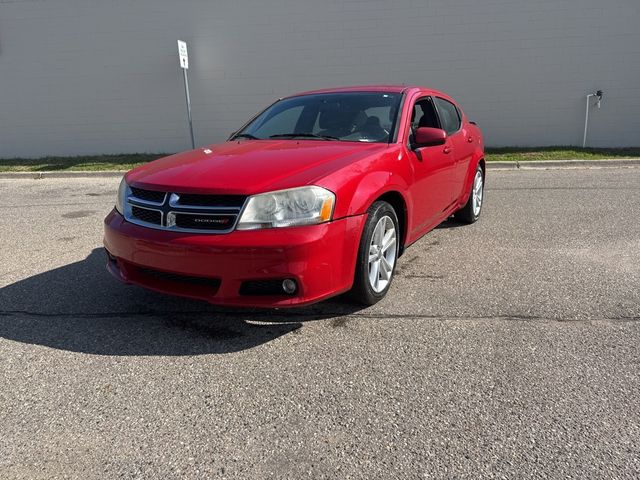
{"x":250,"y":166}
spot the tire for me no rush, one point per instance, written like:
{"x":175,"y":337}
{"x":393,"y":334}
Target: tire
{"x":372,"y":283}
{"x":473,"y":208}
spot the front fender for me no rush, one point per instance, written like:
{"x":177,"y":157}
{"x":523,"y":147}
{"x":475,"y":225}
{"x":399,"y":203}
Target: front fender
{"x":372,"y":187}
{"x":362,"y":183}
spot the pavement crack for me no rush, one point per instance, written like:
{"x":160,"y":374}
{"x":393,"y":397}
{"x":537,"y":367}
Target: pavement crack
{"x":302,"y":316}
{"x":524,"y":318}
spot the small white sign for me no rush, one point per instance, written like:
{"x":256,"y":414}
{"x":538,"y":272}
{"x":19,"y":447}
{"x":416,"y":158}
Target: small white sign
{"x":184,"y":55}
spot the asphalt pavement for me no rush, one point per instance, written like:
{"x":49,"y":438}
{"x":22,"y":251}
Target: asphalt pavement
{"x":505,"y":349}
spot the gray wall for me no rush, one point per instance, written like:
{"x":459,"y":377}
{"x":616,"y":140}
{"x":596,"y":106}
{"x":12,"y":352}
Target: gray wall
{"x":88,"y":76}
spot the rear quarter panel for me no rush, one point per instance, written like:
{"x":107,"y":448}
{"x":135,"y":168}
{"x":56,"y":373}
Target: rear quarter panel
{"x":478,"y":156}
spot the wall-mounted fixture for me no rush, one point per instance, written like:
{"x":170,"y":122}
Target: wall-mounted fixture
{"x":598,"y":95}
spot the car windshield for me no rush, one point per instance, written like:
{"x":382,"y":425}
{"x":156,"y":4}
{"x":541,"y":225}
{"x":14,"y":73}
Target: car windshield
{"x":346,"y":116}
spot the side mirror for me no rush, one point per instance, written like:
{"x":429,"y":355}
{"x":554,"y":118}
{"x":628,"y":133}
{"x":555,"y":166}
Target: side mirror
{"x":429,"y":137}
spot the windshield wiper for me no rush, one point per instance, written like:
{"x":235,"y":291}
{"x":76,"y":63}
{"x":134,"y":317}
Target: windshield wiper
{"x":246,"y":135}
{"x":308,"y":135}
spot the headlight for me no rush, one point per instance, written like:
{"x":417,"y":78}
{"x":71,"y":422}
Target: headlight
{"x":123,"y":190}
{"x":288,"y":208}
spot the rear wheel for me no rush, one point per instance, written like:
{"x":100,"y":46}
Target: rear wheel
{"x":472,"y":209}
{"x":377,"y":254}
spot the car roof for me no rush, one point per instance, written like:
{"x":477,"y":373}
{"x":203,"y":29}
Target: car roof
{"x":368,"y":88}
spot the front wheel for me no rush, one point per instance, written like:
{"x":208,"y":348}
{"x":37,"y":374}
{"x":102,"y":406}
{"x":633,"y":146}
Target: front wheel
{"x":377,"y":254}
{"x":471,"y":211}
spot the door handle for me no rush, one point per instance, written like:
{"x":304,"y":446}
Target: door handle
{"x":447,"y":150}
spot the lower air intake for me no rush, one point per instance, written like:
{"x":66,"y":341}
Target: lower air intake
{"x":264,"y":287}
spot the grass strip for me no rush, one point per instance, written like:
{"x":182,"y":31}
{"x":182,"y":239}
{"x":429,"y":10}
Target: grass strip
{"x":128,"y":161}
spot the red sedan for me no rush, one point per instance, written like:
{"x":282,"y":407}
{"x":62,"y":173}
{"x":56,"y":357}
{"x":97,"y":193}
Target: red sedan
{"x":317,"y":195}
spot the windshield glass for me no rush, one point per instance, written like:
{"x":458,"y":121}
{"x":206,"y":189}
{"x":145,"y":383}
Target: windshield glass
{"x":347,"y":116}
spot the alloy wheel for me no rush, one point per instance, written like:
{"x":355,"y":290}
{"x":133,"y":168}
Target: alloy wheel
{"x":477,"y":193}
{"x":382,"y":254}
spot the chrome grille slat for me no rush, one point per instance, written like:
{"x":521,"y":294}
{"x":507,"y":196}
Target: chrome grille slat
{"x":146,"y":215}
{"x":178,"y":216}
{"x":148,"y":196}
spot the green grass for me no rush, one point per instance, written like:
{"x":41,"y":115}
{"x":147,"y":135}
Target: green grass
{"x":84,"y":163}
{"x":128,"y":161}
{"x":523,"y":154}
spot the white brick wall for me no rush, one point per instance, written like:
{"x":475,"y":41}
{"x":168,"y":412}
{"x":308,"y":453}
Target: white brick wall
{"x":91,"y":76}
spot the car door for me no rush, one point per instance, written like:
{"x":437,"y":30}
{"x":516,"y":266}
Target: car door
{"x":433,"y":170}
{"x":451,"y":121}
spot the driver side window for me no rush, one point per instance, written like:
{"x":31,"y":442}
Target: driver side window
{"x":423,"y":115}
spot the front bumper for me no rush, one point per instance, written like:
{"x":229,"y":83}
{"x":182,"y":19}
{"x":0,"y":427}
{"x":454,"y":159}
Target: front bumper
{"x":213,"y":267}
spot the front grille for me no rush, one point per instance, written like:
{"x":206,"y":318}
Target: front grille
{"x":183,"y":212}
{"x":177,"y":278}
{"x":212,"y":200}
{"x":204,"y":222}
{"x":148,"y":195}
{"x":146,"y":215}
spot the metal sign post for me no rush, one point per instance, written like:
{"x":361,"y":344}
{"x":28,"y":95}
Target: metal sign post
{"x":184,"y":64}
{"x":598,"y":95}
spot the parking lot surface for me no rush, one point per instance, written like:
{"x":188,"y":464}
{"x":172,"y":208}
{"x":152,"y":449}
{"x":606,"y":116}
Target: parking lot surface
{"x":505,"y":349}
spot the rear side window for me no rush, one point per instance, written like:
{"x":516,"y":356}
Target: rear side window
{"x":449,"y":116}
